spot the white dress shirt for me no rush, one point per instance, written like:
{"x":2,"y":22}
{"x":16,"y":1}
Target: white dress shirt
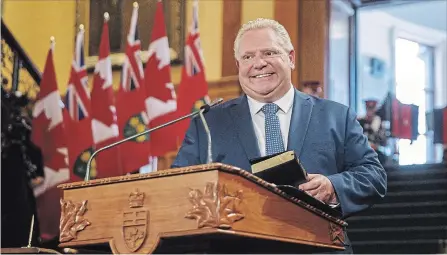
{"x":284,"y":114}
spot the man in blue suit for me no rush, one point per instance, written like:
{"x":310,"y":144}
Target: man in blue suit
{"x":273,"y":116}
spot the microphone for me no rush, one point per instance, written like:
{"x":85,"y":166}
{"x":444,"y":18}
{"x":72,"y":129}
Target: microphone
{"x":208,"y":134}
{"x":206,"y":108}
{"x":203,"y":109}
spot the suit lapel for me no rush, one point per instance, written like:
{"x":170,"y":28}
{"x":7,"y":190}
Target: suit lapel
{"x":240,"y":112}
{"x":299,"y":123}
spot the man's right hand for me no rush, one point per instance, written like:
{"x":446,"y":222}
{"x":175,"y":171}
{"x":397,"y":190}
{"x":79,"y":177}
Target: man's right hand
{"x":320,"y":187}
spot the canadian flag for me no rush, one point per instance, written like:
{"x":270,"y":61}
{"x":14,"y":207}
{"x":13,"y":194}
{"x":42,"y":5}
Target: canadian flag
{"x":161,"y":101}
{"x":49,"y":134}
{"x":104,"y":120}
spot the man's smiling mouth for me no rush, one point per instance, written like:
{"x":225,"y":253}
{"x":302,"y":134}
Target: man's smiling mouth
{"x":262,"y":75}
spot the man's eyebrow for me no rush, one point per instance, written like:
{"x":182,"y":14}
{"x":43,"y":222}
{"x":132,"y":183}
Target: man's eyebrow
{"x":261,"y":50}
{"x":248,"y":52}
{"x":269,"y":49}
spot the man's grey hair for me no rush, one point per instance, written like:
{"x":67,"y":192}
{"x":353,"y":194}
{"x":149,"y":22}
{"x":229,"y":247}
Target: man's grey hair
{"x":280,"y":31}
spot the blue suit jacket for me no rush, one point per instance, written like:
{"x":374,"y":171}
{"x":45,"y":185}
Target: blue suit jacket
{"x":324,"y":134}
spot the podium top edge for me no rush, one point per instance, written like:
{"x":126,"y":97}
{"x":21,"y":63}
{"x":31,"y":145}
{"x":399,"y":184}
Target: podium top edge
{"x":196,"y":169}
{"x":157,"y":174}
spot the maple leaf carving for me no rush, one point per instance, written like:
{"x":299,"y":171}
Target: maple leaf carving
{"x":216,"y":207}
{"x":72,"y":219}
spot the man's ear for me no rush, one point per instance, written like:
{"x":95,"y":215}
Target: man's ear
{"x":292,"y":59}
{"x":237,"y":63}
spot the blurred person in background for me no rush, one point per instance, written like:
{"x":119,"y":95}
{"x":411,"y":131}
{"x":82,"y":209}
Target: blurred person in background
{"x":312,"y":88}
{"x":373,"y":129}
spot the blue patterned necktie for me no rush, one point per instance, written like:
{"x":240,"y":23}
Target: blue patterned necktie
{"x":273,"y":138}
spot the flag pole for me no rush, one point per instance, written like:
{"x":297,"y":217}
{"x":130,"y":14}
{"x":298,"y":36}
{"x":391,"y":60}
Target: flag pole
{"x":30,"y":238}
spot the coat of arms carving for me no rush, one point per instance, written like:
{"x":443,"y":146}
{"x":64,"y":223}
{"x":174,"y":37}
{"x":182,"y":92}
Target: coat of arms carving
{"x":135,"y":222}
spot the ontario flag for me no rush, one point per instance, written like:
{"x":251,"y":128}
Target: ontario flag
{"x":104,"y":120}
{"x":132,"y":118}
{"x":404,"y":118}
{"x":78,"y":124}
{"x":193,"y":88}
{"x":49,"y":135}
{"x":440,"y":126}
{"x":161,"y":101}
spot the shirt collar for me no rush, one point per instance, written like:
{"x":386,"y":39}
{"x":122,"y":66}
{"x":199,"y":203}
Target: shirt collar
{"x":285,"y":103}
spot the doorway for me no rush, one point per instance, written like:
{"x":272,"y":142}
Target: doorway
{"x":414,"y":73}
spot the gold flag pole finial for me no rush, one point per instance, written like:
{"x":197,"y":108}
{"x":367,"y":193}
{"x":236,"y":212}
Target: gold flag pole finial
{"x":135,"y":5}
{"x":81,"y":27}
{"x":52,"y":42}
{"x":106,"y":16}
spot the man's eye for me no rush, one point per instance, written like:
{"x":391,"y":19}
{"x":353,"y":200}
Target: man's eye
{"x":270,"y":53}
{"x":246,"y":57}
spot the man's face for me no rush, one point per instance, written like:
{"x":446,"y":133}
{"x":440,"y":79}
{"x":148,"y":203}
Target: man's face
{"x":264,"y":66}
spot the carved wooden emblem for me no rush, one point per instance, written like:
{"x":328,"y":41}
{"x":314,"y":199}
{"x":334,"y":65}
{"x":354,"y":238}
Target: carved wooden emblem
{"x":216,"y":207}
{"x":135,"y":222}
{"x":336,"y":233}
{"x":72,"y":219}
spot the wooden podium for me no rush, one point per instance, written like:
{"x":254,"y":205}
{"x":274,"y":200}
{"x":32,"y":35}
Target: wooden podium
{"x":213,"y":208}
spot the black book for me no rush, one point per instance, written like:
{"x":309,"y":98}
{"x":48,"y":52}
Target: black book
{"x":281,"y":169}
{"x":286,"y":172}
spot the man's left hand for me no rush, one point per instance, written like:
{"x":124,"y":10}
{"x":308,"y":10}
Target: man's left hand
{"x":320,"y":187}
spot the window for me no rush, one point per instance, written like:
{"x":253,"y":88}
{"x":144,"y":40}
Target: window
{"x":340,"y":49}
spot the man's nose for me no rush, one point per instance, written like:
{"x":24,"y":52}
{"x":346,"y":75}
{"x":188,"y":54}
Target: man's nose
{"x":259,"y":62}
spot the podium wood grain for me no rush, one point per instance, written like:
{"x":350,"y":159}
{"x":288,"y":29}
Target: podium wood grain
{"x":210,"y":204}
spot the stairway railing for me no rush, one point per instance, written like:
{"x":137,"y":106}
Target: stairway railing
{"x":18,"y":71}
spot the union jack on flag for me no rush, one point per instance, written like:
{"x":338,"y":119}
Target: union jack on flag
{"x":132,"y":74}
{"x":193,"y":49}
{"x":78,"y":96}
{"x":194,"y":29}
{"x":191,"y":64}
